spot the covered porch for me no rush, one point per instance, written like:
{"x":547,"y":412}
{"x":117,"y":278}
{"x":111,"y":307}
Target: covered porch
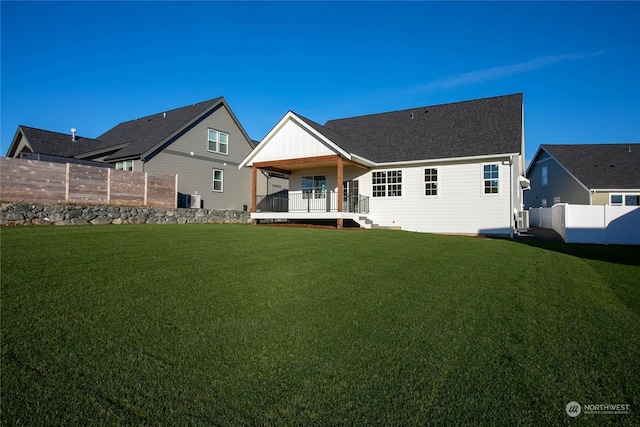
{"x":313,"y":199}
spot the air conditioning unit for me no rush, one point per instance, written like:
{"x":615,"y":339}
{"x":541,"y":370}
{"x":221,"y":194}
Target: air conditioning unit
{"x":193,"y":201}
{"x":522,"y":221}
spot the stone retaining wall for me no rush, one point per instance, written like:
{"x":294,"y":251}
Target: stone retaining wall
{"x":39,"y":214}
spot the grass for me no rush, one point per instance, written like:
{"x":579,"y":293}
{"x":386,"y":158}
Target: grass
{"x":241,"y":325}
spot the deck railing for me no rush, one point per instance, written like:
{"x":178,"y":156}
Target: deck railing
{"x":289,"y":201}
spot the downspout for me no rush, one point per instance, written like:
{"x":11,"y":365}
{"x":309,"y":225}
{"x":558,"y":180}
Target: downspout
{"x":511,"y":196}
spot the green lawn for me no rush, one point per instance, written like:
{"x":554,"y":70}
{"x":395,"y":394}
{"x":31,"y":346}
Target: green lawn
{"x":241,"y":325}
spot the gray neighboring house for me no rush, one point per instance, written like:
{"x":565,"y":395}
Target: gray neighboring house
{"x":202,"y":143}
{"x":584,"y":174}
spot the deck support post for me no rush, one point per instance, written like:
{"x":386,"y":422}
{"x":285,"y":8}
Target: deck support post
{"x":254,"y":178}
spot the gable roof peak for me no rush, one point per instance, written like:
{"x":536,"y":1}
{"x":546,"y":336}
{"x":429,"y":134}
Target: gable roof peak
{"x":599,"y":166}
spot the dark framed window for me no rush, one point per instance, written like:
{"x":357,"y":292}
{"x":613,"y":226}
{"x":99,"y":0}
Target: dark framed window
{"x":431,"y":182}
{"x":491,"y":178}
{"x":314,"y":187}
{"x":386,"y":183}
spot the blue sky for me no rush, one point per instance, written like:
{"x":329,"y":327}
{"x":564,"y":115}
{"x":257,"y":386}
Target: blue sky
{"x":92,"y":65}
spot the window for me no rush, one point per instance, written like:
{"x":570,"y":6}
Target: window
{"x":625,"y":200}
{"x":218,"y":141}
{"x":545,"y":176}
{"x":379,"y":181}
{"x":127,"y":165}
{"x":314,"y":187}
{"x":632,"y":200}
{"x":491,"y":176}
{"x":387,"y":183}
{"x":218,"y":178}
{"x":431,"y":182}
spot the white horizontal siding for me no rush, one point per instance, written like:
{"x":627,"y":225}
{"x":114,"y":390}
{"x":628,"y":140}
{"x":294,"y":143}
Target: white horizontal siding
{"x":291,"y":142}
{"x":460,"y":206}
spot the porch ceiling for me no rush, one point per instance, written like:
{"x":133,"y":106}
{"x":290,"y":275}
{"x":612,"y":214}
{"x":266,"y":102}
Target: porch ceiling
{"x":289,"y":165}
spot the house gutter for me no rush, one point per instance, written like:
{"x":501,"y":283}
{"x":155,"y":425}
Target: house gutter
{"x":444,"y":160}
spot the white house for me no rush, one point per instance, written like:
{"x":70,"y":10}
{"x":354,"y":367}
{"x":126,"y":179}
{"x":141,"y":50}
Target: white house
{"x":455,"y":168}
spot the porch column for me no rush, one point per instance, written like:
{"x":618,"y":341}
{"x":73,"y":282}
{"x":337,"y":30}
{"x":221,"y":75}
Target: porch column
{"x":254,"y":178}
{"x":340,"y":190}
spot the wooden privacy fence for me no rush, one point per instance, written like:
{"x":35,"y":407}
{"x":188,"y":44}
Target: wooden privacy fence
{"x":44,"y":182}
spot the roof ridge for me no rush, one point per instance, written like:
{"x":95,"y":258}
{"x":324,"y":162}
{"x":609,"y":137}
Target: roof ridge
{"x":56,"y":132}
{"x":427,"y":106}
{"x":207,"y":103}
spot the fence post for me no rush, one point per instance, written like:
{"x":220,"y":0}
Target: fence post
{"x":146,"y":188}
{"x":540,"y":217}
{"x":176,"y":192}
{"x":109,"y":186}
{"x":66,"y":184}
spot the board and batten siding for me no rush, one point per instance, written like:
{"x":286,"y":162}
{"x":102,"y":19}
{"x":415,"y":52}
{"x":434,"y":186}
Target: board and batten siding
{"x":190,"y":155}
{"x":291,"y":142}
{"x":461,"y":207}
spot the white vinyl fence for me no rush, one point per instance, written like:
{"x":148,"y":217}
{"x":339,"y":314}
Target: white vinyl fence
{"x":602,"y":224}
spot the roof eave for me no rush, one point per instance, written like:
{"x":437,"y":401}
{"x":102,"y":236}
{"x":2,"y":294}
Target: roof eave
{"x":15,"y":141}
{"x":484,"y":157}
{"x":609,"y":190}
{"x":100,"y":151}
{"x":143,"y":155}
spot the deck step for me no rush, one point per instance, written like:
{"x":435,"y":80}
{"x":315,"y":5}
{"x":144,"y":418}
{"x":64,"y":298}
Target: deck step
{"x":367,"y":223}
{"x":390,"y":227}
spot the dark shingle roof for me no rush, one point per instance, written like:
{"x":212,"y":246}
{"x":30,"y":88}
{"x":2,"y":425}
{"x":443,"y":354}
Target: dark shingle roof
{"x":145,"y":133}
{"x":333,"y":136}
{"x":600,"y":166}
{"x":58,"y":144}
{"x":462,"y":129}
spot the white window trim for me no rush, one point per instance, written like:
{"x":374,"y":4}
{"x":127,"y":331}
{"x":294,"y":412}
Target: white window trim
{"x":213,"y":180}
{"x":217,"y":142}
{"x":438,"y":187}
{"x":624,"y":198}
{"x":387,"y":184}
{"x":482,"y":181}
{"x":122,"y":166}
